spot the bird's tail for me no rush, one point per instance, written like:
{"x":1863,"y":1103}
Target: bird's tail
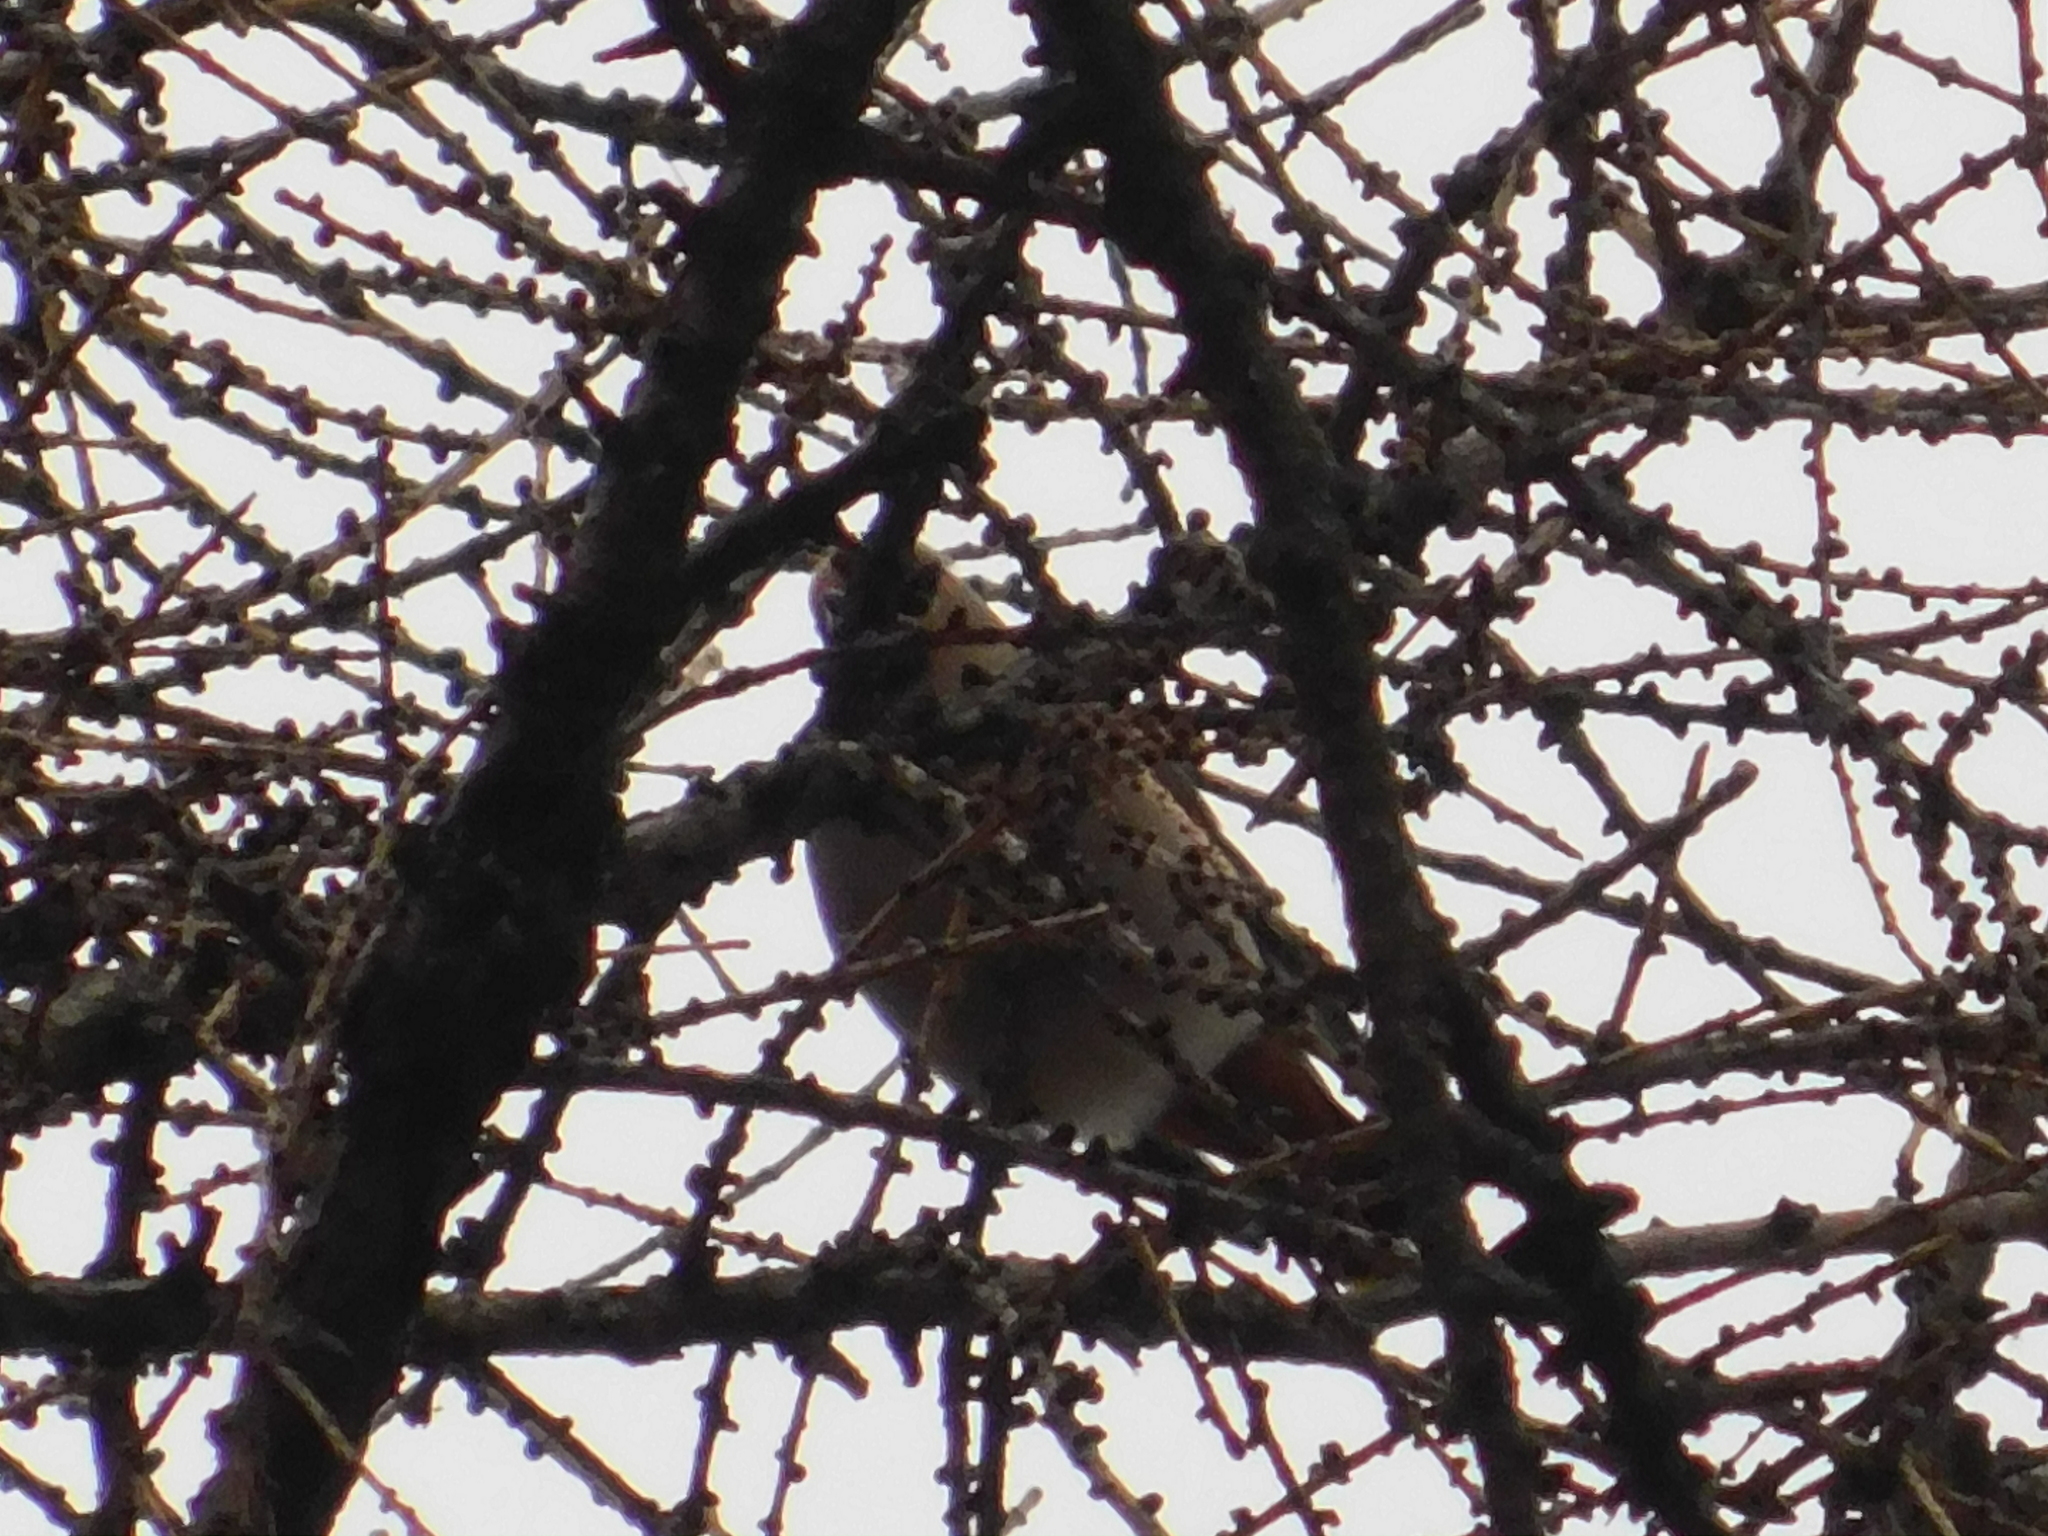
{"x":1277,"y":1121}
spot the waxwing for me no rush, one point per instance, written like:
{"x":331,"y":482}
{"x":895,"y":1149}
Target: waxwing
{"x":1083,"y":947}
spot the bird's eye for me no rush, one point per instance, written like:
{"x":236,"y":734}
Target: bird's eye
{"x":920,"y":594}
{"x":828,"y":596}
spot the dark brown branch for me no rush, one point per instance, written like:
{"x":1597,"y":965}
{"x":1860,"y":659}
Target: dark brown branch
{"x":490,"y":932}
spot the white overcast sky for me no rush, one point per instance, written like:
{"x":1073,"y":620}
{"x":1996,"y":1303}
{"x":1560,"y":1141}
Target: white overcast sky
{"x":1777,"y":861}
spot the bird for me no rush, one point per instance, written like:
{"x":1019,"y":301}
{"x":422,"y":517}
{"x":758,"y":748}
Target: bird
{"x":1091,"y":952}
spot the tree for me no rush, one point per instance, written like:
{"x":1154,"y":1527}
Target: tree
{"x":374,"y":834}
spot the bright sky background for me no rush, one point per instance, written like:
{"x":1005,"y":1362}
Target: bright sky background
{"x":1777,"y":860}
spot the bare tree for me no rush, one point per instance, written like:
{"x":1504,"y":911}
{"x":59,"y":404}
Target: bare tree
{"x":402,"y":435}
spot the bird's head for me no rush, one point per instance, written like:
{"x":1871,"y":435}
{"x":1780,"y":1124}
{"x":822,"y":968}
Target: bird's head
{"x":956,"y":638}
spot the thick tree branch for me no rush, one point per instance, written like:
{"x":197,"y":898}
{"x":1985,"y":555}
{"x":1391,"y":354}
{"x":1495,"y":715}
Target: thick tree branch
{"x":490,"y":929}
{"x":1159,"y":208}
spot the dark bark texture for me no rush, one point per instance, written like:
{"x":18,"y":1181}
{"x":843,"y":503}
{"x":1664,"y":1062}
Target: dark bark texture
{"x":282,"y":398}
